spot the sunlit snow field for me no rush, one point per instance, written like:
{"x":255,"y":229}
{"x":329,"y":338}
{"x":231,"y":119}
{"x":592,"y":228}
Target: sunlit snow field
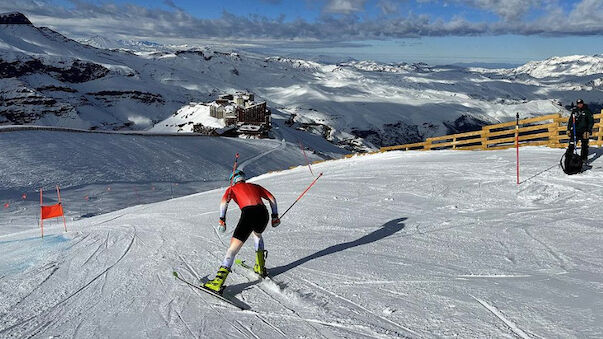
{"x":400,"y":244}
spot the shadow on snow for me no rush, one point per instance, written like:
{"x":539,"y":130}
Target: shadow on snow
{"x":388,"y":229}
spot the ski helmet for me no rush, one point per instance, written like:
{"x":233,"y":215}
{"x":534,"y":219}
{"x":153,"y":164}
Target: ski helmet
{"x":237,"y":176}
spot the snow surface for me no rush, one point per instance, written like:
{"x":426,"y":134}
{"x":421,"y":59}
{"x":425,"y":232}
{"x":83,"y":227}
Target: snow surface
{"x":99,"y":172}
{"x":400,"y":244}
{"x":188,"y":116}
{"x":575,"y":65}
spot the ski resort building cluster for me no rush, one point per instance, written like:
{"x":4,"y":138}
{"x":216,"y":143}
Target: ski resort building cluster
{"x":230,"y":115}
{"x":240,"y":112}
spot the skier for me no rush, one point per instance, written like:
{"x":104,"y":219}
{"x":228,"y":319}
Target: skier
{"x":253,"y":221}
{"x":584,"y":126}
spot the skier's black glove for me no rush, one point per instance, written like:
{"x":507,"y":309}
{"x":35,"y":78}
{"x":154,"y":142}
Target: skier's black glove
{"x":275,"y":220}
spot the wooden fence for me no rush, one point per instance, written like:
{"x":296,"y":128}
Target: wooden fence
{"x":548,"y":130}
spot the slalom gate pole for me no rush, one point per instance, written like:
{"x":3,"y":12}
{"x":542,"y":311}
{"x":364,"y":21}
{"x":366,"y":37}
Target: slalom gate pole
{"x":60,"y":203}
{"x":234,"y":167}
{"x":301,"y":195}
{"x":305,"y":156}
{"x":517,"y":143}
{"x":41,"y":219}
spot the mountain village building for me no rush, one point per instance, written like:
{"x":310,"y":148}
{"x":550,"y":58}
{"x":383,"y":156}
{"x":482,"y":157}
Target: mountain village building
{"x":241,"y":111}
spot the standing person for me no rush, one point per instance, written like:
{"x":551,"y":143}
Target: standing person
{"x":584,"y":127}
{"x":253,"y":221}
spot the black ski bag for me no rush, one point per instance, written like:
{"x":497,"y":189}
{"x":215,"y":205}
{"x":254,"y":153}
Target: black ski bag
{"x":570,"y":162}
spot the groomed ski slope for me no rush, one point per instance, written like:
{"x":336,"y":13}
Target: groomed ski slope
{"x":100,"y":173}
{"x":400,"y":244}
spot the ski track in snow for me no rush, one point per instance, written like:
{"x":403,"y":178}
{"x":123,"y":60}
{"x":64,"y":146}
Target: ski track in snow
{"x":361,"y":307}
{"x":282,"y":147}
{"x":400,"y":244}
{"x":518,"y":331}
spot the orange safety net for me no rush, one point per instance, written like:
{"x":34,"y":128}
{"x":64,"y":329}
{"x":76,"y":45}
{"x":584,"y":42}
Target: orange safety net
{"x":52,"y":211}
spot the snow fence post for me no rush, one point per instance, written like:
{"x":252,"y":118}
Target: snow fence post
{"x":517,"y":143}
{"x":600,"y":137}
{"x":484,"y":137}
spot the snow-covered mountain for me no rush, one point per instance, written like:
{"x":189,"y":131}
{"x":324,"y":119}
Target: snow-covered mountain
{"x":357,"y":104}
{"x":96,"y":84}
{"x":573,"y":66}
{"x":103,"y":42}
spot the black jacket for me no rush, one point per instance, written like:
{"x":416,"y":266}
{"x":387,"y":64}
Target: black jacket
{"x":584,"y":120}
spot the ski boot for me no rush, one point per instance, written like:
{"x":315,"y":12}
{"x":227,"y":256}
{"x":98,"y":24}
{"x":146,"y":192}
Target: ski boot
{"x":260,"y":263}
{"x":216,"y":285}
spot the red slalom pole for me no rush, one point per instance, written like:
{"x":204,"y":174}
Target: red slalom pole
{"x":305,"y":156}
{"x":517,"y":143}
{"x":41,"y":219}
{"x":301,"y":195}
{"x":234,"y":167}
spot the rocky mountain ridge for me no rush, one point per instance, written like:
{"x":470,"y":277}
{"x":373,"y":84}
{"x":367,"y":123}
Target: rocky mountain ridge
{"x":50,"y":79}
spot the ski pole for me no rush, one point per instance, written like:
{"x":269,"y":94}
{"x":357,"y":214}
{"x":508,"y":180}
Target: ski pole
{"x":301,"y":195}
{"x":574,"y":132}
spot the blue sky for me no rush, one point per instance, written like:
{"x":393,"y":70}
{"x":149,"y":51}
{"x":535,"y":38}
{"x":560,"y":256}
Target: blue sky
{"x":310,"y":10}
{"x":433,"y":31}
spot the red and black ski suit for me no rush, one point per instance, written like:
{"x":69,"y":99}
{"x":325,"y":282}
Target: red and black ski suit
{"x":254,"y":215}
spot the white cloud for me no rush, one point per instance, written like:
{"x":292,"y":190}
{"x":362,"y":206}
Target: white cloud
{"x":388,"y":7}
{"x":344,"y":6}
{"x":509,"y":10}
{"x":128,"y":21}
{"x":588,"y":12}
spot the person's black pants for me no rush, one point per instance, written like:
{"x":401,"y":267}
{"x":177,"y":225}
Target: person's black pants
{"x":253,"y":219}
{"x":583,"y":151}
